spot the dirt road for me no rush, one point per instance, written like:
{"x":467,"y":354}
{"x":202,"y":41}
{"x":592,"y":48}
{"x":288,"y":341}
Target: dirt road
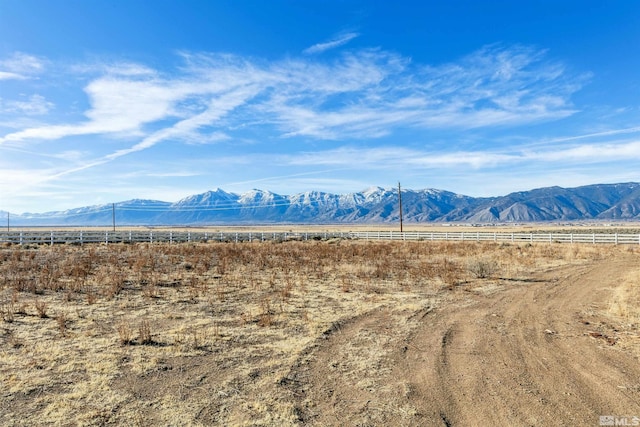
{"x":538,"y":352}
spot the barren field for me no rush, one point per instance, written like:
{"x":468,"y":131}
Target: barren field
{"x":320,"y":333}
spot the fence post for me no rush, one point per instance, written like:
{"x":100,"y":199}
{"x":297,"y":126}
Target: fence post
{"x":108,"y":237}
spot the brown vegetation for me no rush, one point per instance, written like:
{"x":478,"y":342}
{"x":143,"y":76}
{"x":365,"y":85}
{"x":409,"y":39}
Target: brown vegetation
{"x":201,"y":334}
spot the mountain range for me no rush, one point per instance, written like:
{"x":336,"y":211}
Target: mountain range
{"x":374,"y":205}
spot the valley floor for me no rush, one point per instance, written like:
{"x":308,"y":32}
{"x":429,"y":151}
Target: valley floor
{"x":320,"y":333}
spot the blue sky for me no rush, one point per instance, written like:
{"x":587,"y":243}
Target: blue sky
{"x":104,"y":101}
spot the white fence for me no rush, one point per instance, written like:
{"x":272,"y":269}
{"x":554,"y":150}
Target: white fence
{"x":81,"y":237}
{"x":479,"y":236}
{"x":168,"y":236}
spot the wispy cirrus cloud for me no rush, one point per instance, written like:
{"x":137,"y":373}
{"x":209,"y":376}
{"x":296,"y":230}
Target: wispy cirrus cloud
{"x":394,"y":157}
{"x":495,"y":86}
{"x":20,"y":66}
{"x":35,"y":105}
{"x":122,"y":106}
{"x":362,"y":94}
{"x":7,"y":75}
{"x":337,"y":41}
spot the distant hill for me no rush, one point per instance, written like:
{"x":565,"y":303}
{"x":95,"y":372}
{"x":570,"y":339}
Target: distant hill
{"x":374,"y":205}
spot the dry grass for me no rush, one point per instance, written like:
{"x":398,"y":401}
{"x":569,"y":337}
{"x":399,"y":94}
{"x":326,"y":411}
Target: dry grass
{"x":625,"y":301}
{"x":199,"y":334}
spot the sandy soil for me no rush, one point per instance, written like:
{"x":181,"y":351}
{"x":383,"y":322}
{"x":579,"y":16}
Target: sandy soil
{"x":320,"y":333}
{"x":537,"y":352}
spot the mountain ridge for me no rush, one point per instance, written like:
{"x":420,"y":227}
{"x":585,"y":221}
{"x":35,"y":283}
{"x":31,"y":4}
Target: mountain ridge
{"x":372,"y":205}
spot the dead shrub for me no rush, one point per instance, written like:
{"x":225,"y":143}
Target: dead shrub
{"x":197,"y":339}
{"x":144,"y":333}
{"x":91,"y":297}
{"x":61,"y":320}
{"x":7,"y":310}
{"x":482,"y":268}
{"x":150,"y":290}
{"x":12,"y":339}
{"x":265,"y":318}
{"x":449,"y":272}
{"x":41,"y":308}
{"x":125,"y":335}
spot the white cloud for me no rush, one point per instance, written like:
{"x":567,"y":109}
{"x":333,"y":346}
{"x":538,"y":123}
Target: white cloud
{"x":215,"y":110}
{"x":363,"y":94}
{"x":71,"y":155}
{"x":397,"y":157}
{"x":331,"y":44}
{"x":366,"y":94}
{"x":20,"y":66}
{"x":36,"y":105}
{"x":122,"y":106}
{"x":609,"y":132}
{"x":492,"y":87}
{"x":5,"y":75}
{"x":590,"y":153}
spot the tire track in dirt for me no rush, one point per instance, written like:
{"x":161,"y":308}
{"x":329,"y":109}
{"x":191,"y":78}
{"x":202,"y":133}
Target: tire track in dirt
{"x":344,"y":378}
{"x":519,"y":356}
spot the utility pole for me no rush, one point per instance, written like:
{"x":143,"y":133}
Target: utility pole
{"x":113,"y":215}
{"x":400,"y":204}
{"x":7,"y":221}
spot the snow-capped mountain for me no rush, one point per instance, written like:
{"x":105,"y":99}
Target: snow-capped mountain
{"x":373,"y":205}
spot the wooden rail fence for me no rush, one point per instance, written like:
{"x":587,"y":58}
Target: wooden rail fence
{"x":81,"y":237}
